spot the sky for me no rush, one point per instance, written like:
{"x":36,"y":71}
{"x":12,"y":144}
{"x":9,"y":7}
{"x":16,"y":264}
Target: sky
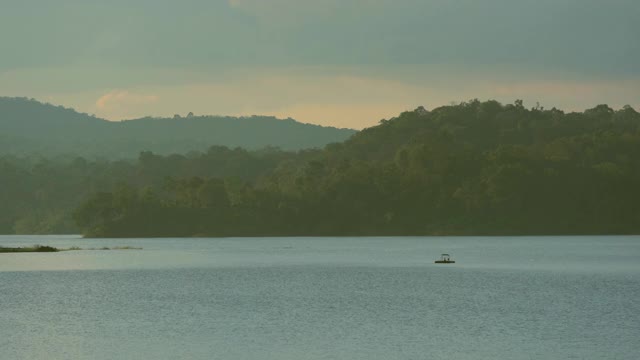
{"x":343,"y":63}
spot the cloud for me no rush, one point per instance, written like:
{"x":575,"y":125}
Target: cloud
{"x":289,"y":12}
{"x":123,"y":104}
{"x":572,"y":35}
{"x":123,"y":98}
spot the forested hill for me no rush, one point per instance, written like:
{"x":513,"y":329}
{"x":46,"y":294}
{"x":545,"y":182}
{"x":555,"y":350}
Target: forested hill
{"x":474,"y":168}
{"x":31,"y":127}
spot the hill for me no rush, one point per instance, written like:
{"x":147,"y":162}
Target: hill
{"x":28,"y":127}
{"x":477,"y":168}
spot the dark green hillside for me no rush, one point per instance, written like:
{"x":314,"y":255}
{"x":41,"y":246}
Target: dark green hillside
{"x":37,"y":195}
{"x":474,"y":168}
{"x":28,"y":127}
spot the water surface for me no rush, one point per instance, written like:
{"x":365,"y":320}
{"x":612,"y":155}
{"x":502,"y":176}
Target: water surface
{"x":322,"y":298}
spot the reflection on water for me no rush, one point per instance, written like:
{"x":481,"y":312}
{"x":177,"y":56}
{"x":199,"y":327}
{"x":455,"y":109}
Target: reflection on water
{"x":323,"y":298}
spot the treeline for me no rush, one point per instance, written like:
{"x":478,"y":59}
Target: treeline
{"x":31,"y":128}
{"x":474,"y":168}
{"x":38,"y":195}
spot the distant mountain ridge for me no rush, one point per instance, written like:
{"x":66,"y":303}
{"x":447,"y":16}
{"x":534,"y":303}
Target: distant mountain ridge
{"x":28,"y":126}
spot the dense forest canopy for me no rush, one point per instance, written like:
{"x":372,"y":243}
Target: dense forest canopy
{"x":472,"y":168}
{"x":28,"y":127}
{"x":39,"y":194}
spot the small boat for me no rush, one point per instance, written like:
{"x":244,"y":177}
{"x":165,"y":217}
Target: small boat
{"x":445,"y":259}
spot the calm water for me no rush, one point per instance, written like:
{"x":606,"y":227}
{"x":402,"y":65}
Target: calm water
{"x":323,"y":298}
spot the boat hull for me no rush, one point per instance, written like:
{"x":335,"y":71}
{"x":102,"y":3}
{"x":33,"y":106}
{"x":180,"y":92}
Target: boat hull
{"x":445,"y":262}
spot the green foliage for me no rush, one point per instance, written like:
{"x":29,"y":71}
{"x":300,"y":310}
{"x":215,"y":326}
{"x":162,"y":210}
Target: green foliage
{"x":37,"y":196}
{"x":473,"y":168}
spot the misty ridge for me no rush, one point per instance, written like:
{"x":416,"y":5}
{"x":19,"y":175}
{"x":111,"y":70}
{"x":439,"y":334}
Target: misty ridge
{"x":29,"y":127}
{"x":473,"y":168}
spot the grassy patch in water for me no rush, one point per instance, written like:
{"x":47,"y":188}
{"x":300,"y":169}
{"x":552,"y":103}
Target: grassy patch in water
{"x":31,"y":249}
{"x":126,"y":248}
{"x":43,"y":248}
{"x":114,"y":248}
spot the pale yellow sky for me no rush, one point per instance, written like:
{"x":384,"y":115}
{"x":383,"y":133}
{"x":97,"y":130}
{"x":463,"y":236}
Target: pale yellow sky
{"x":346,"y":63}
{"x":353,"y":97}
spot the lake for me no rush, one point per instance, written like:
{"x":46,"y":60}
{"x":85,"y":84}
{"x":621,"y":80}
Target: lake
{"x":322,"y":298}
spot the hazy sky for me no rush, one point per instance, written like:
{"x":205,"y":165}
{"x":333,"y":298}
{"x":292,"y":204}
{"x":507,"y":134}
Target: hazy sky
{"x":346,"y":63}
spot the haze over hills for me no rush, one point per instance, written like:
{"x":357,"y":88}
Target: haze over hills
{"x":30,"y":127}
